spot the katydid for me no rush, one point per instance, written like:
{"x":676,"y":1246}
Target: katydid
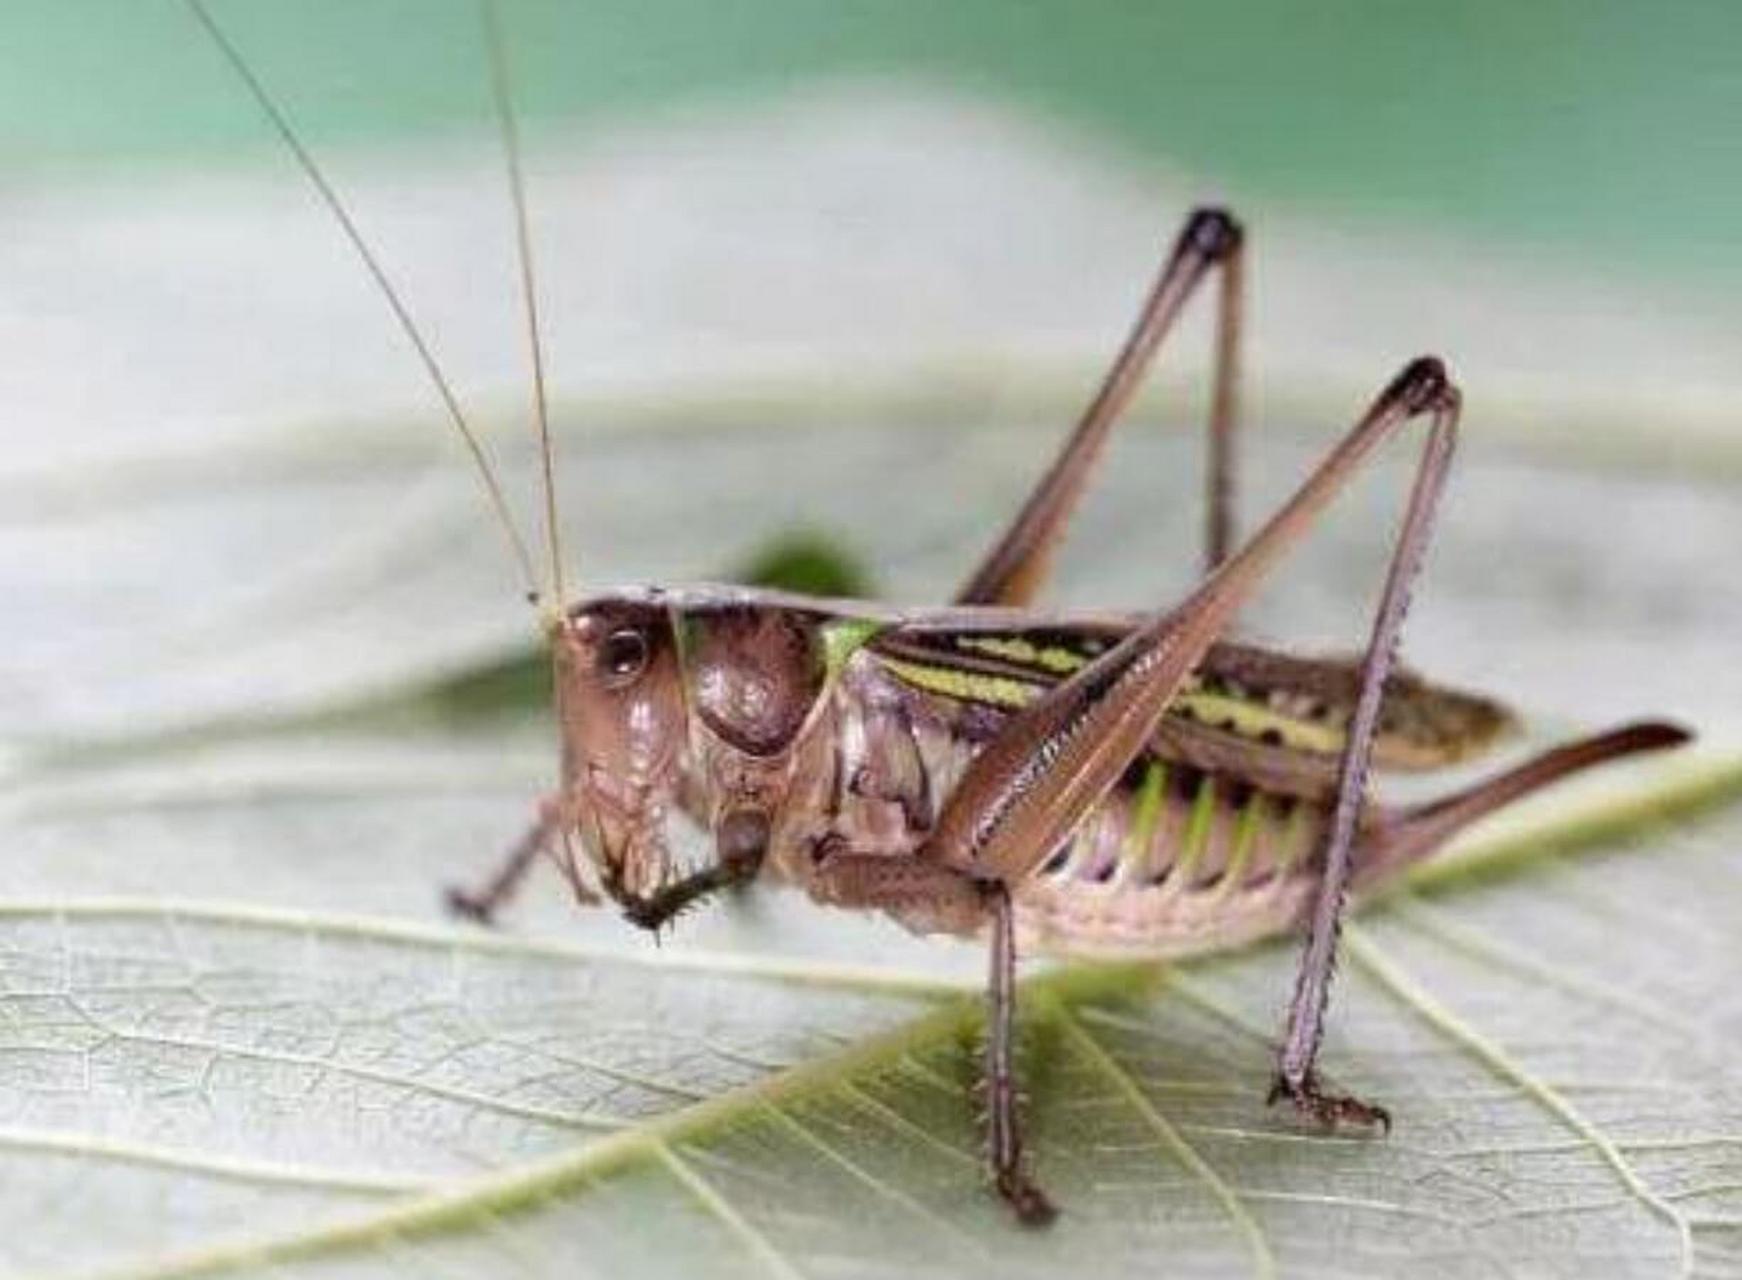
{"x":1127,"y":784}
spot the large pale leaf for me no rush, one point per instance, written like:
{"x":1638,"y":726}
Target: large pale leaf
{"x":220,"y":1084}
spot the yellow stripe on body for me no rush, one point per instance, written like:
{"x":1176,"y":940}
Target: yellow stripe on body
{"x":1054,"y":658}
{"x":1249,"y":720}
{"x":965,"y":686}
{"x":1238,"y":715}
{"x":1242,"y":716}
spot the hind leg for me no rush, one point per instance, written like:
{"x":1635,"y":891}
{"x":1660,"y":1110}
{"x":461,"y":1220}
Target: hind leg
{"x":1211,"y":241}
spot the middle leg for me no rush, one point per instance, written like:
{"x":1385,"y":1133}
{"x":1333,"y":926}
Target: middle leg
{"x":954,"y":902}
{"x":1003,"y":1128}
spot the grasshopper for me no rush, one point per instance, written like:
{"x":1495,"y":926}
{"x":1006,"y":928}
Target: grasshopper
{"x":1100,"y":784}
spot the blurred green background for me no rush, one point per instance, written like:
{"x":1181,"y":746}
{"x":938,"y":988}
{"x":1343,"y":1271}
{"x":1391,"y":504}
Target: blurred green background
{"x":1593,"y":130}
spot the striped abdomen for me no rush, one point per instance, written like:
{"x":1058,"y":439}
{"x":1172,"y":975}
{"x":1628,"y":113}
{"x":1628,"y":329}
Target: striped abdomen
{"x":1174,"y":856}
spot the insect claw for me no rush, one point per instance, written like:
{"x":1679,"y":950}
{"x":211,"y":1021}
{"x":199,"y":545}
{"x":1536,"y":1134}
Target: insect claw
{"x":469,"y":906}
{"x":1029,"y":1202}
{"x":1330,"y":1110}
{"x":641,"y":913}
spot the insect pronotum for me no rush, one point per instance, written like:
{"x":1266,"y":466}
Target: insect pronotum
{"x":1101,"y":784}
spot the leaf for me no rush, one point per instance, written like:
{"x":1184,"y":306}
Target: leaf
{"x":260,"y":705}
{"x":243,"y":1066}
{"x":265,"y":1077}
{"x":1553,"y":1042}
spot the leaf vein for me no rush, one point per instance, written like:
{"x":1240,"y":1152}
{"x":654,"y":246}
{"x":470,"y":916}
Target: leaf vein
{"x":1263,"y":1261}
{"x":709,"y":1197}
{"x":1413,"y":995}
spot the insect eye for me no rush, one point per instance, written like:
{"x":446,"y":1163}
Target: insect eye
{"x":623,"y":656}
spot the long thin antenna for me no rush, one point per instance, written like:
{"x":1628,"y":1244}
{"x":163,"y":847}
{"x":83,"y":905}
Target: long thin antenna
{"x":499,"y":88}
{"x":378,"y":273}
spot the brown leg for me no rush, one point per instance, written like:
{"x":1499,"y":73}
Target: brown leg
{"x":1003,"y":1130}
{"x":1220,"y":500}
{"x":482,"y":904}
{"x":740,"y":842}
{"x":657,"y":909}
{"x":912,"y":889}
{"x":652,"y":911}
{"x":947,"y":899}
{"x":1016,"y":566}
{"x":1056,"y":759}
{"x":1296,"y":1078}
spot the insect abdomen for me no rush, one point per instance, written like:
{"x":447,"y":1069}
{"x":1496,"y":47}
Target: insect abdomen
{"x":1175,"y":825}
{"x":1174,"y":857}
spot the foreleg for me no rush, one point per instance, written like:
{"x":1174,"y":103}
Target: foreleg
{"x":482,"y":904}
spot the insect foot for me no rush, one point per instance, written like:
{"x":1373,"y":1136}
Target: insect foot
{"x":1330,"y":1110}
{"x":659,"y":908}
{"x":646,"y":913}
{"x":469,"y":906}
{"x":1026,"y":1200}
